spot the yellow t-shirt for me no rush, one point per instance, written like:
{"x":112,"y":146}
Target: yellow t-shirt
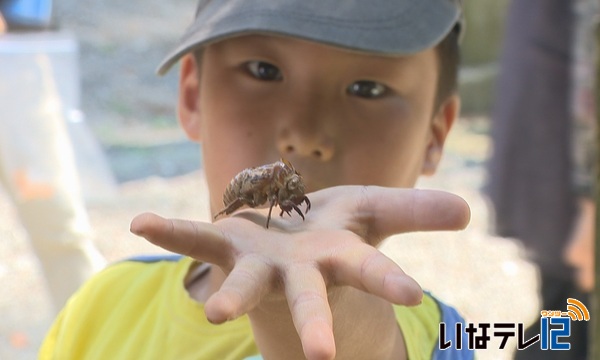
{"x":140,"y":309}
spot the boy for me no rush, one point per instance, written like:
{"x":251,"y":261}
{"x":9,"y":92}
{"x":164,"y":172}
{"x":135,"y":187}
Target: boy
{"x":352,"y":94}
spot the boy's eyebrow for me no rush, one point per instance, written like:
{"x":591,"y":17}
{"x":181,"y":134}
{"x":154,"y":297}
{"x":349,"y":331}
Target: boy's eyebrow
{"x":392,"y":27}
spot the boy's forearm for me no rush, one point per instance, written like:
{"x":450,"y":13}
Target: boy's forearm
{"x":364,"y":327}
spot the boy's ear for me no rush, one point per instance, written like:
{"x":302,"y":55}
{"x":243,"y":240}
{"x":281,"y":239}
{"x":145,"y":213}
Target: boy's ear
{"x":440,"y":127}
{"x":188,"y":106}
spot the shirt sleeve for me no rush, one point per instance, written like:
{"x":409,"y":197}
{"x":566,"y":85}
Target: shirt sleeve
{"x":420,"y":328}
{"x":48,"y":349}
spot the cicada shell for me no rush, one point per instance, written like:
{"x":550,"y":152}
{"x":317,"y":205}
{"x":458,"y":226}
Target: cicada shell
{"x":276,"y":184}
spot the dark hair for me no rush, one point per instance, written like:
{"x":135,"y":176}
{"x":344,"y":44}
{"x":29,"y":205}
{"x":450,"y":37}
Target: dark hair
{"x":449,"y":61}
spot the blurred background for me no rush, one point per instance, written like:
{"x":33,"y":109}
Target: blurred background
{"x":130,"y":113}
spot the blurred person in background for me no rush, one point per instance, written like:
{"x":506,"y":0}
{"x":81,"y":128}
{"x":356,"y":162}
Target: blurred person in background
{"x":532,"y":187}
{"x":580,"y":249}
{"x":37,"y":166}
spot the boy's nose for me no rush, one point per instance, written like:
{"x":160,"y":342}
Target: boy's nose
{"x":294,"y":141}
{"x":306,"y":122}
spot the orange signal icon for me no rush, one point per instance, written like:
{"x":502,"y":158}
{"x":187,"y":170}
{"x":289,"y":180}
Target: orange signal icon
{"x":577,"y":310}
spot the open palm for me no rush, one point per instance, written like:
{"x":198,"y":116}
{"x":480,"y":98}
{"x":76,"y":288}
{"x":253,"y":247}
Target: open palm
{"x":302,"y":264}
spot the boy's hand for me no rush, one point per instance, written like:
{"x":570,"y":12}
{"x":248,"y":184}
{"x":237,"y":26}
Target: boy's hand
{"x":305,"y":262}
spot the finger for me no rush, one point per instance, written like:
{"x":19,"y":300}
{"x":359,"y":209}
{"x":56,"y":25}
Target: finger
{"x":392,"y":211}
{"x":202,"y":241}
{"x":307,"y":298}
{"x":241,"y":291}
{"x":370,"y":270}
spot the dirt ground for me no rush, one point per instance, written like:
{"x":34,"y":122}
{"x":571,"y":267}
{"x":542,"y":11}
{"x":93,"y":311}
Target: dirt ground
{"x":121,"y":43}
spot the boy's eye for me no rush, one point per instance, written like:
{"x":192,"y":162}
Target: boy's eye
{"x":264,"y":71}
{"x":367,"y":89}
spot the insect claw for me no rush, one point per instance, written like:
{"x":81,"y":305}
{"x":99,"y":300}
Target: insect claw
{"x":220,"y":213}
{"x":307,"y":203}
{"x":286,"y":211}
{"x":299,"y":212}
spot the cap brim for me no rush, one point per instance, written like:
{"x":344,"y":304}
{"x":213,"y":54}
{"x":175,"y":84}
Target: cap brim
{"x":405,"y":28}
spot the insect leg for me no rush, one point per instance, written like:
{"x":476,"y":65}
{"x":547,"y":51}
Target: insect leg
{"x":230,"y":208}
{"x":270,"y":210}
{"x":298,"y":211}
{"x":307,"y":203}
{"x":287,"y":211}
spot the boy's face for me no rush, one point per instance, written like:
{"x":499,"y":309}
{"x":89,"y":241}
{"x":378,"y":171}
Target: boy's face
{"x":339,"y":117}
